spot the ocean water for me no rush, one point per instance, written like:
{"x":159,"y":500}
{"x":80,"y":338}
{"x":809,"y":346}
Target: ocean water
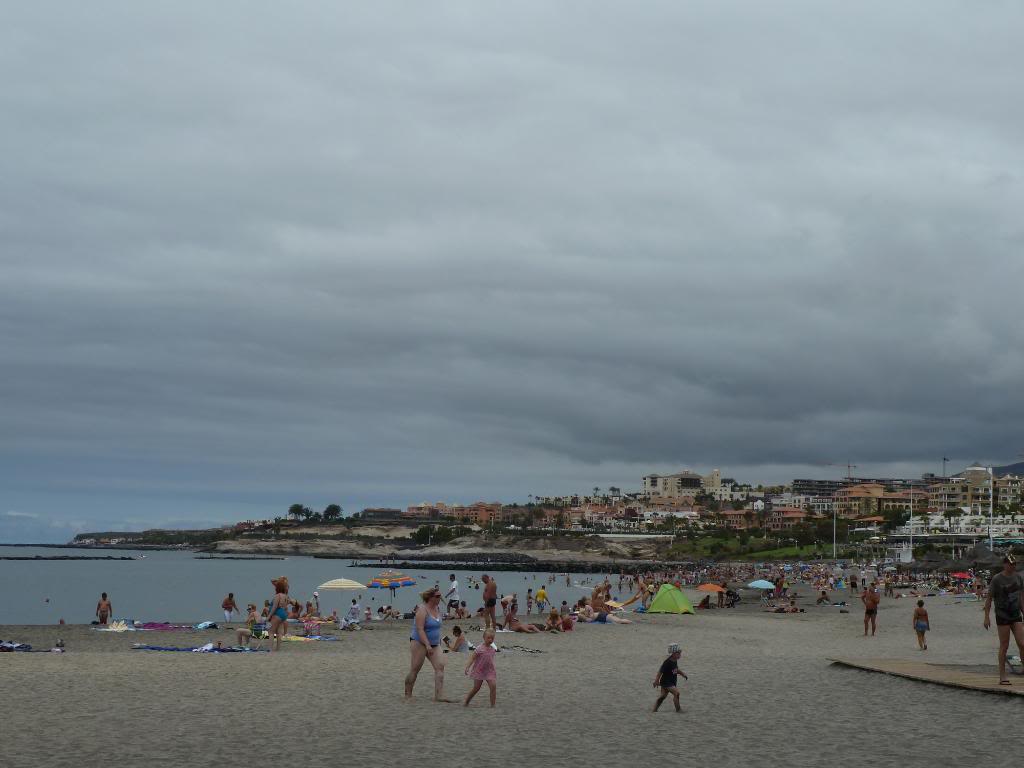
{"x":177,"y":586}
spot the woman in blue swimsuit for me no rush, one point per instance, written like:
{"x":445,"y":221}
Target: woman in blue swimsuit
{"x":279,"y":611}
{"x":424,"y":641}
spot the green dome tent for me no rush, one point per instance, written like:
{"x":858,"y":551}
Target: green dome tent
{"x":670,"y":599}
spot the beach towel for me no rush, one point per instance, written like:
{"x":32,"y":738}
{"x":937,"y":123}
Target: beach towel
{"x":208,"y":648}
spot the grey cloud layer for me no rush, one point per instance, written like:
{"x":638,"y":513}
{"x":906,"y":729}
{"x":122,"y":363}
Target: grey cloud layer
{"x":380,"y":255}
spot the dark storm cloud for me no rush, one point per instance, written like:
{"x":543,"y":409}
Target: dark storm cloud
{"x":380,"y":255}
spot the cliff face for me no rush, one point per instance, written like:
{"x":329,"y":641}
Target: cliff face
{"x":547,"y":548}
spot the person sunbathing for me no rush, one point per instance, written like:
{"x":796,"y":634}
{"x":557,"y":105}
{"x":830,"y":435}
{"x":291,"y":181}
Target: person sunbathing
{"x":822,"y":598}
{"x":552,"y":622}
{"x":512,"y":620}
{"x":590,"y":616}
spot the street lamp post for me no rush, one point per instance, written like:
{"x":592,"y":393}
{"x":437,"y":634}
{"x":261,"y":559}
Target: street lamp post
{"x":991,"y":505}
{"x":911,"y":523}
{"x":833,"y":529}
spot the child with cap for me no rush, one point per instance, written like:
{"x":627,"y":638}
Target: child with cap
{"x":667,"y":677}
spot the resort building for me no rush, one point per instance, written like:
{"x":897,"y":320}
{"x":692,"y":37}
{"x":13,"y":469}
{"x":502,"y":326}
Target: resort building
{"x":784,"y":518}
{"x":679,"y":485}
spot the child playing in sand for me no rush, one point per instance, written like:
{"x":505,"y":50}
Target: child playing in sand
{"x":667,"y":677}
{"x":482,"y":665}
{"x":921,"y":624}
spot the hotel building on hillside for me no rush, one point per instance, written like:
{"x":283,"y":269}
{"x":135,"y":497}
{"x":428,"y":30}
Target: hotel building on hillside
{"x":679,"y":485}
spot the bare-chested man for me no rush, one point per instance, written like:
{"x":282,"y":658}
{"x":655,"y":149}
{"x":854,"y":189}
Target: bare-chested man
{"x":104,"y":610}
{"x":490,"y":601}
{"x":870,"y":599}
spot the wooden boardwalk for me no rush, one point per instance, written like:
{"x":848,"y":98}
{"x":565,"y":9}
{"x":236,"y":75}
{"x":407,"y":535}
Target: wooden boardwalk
{"x":939,"y":674}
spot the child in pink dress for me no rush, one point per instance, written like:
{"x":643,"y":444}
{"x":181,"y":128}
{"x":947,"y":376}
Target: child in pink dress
{"x":481,"y":668}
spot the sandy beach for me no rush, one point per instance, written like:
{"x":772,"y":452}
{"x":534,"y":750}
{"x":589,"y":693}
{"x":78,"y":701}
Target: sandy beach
{"x":760,"y":692}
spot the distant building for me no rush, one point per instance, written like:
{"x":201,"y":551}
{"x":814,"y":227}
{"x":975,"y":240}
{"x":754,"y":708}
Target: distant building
{"x":676,"y":486}
{"x":381,"y":515}
{"x":784,"y":518}
{"x":804,"y":487}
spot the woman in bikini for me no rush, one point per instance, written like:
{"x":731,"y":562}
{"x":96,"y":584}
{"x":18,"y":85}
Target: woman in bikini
{"x":512,"y":619}
{"x":424,"y":641}
{"x":279,"y":611}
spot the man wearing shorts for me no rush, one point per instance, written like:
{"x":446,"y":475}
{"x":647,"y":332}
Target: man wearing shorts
{"x":452,"y":595}
{"x":542,"y":600}
{"x":229,"y":606}
{"x":870,"y":599}
{"x":490,"y":601}
{"x":1004,"y":592}
{"x":104,"y":610}
{"x":667,"y":678}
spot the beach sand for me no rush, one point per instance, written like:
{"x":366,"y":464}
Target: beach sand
{"x":761,"y":692}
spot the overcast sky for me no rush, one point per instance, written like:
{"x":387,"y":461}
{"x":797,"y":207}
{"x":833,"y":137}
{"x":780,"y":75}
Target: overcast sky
{"x":377,"y":254}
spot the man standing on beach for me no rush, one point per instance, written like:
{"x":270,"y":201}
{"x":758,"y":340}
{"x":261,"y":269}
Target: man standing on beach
{"x":452,"y":595}
{"x":490,"y":601}
{"x":229,"y":606}
{"x":1004,"y":591}
{"x":870,"y":599}
{"x":104,"y":610}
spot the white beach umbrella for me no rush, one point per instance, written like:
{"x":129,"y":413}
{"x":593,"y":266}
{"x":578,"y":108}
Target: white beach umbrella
{"x":341,"y":584}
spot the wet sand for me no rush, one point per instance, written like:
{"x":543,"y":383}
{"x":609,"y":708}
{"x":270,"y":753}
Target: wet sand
{"x":761,"y":692}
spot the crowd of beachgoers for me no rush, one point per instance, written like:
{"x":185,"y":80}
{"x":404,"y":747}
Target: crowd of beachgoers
{"x":478,"y":606}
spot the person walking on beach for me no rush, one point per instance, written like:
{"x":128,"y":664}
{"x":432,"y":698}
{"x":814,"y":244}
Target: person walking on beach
{"x":921,"y":624}
{"x":870,"y":599}
{"x":667,"y":678}
{"x":452,"y":595}
{"x":480,"y":668}
{"x":1004,"y":592}
{"x":424,"y":642}
{"x":279,"y":612}
{"x":490,"y":601}
{"x":229,"y":606}
{"x":104,"y":610}
{"x":542,"y":600}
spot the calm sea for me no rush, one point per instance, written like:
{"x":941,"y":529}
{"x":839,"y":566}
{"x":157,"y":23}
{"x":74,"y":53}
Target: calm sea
{"x":178,"y":587}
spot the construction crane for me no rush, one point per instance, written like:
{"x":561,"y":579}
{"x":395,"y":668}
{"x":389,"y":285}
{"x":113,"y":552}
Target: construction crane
{"x":849,"y":468}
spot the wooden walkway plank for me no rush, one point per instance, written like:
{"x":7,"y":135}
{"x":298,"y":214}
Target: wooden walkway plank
{"x":938,"y":674}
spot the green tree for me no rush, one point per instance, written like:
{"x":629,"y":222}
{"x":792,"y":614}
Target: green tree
{"x":332,"y":513}
{"x":296,"y":511}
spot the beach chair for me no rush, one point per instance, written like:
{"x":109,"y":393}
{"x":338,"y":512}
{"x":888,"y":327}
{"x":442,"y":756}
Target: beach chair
{"x":259,"y":634}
